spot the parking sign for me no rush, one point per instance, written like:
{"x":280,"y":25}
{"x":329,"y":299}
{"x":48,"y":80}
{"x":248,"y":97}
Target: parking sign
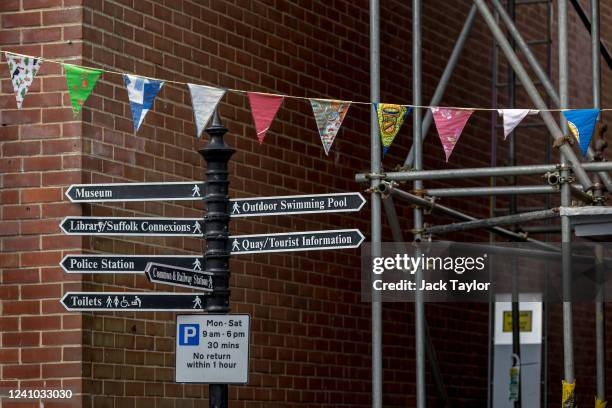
{"x":212,"y":348}
{"x":188,"y":334}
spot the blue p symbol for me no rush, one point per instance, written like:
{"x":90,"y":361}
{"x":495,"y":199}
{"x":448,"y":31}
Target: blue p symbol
{"x":189,"y":334}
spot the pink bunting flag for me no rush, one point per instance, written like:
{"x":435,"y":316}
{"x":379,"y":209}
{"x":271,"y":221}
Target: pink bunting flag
{"x":450,"y":123}
{"x":264,"y":108}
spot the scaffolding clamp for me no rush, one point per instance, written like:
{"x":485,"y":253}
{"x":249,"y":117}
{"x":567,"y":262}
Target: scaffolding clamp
{"x":375,"y":176}
{"x":552,"y":178}
{"x":418,"y":231}
{"x":403,"y":168}
{"x":568,"y":179}
{"x":560,"y":141}
{"x":429,"y":209}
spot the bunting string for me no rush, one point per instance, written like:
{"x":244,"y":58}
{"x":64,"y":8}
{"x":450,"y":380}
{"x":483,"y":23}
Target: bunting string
{"x":328,"y":113}
{"x":295,"y":96}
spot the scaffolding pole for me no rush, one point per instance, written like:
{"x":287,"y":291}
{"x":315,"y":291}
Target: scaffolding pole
{"x":566,"y":233}
{"x":493,"y":222}
{"x":524,"y":47}
{"x":444,"y":79}
{"x":533,"y":93}
{"x":447,"y":174}
{"x":387,"y":188}
{"x":540,"y":74}
{"x":375,"y":203}
{"x":600,"y":314}
{"x":419,"y":304}
{"x":432,"y":357}
{"x":499,"y":190}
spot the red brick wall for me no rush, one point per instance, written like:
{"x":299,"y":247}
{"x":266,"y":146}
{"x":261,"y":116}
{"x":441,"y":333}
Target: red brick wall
{"x":311,"y":337}
{"x":40,"y":153}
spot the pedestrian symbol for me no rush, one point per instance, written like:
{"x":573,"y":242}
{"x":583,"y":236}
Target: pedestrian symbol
{"x":195,"y":192}
{"x":235,"y":208}
{"x":197,"y":265}
{"x":196,"y":228}
{"x":197,"y":303}
{"x":235,"y":246}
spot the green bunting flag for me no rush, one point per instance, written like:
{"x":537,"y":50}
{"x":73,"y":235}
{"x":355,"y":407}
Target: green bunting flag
{"x":80,"y":82}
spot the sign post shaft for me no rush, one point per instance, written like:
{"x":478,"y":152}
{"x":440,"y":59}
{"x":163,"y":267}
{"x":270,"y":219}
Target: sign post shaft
{"x":216,"y":231}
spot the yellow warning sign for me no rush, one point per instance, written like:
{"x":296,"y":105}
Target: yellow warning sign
{"x":525,"y":320}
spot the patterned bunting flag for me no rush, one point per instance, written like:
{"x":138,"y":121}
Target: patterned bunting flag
{"x":390,"y":119}
{"x":264,"y":108}
{"x":450,"y":123}
{"x":512,"y":117}
{"x":329,"y":116}
{"x":582,"y":124}
{"x":204,"y":100}
{"x":23,"y":69}
{"x":142,"y":93}
{"x":80,"y":82}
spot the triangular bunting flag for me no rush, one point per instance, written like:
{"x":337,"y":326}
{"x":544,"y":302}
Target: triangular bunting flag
{"x":23,"y":69}
{"x":329,"y":116}
{"x":450,"y":123}
{"x":582,"y":124}
{"x":80,"y":82}
{"x":263,"y":108}
{"x":142,"y":93}
{"x":204,"y":100}
{"x":512,"y":117}
{"x":390,"y":120}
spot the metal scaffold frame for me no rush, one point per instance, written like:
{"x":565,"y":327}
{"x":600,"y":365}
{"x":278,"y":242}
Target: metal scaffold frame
{"x":569,"y":177}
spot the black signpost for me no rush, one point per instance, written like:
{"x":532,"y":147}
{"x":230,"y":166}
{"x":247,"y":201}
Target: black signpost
{"x":175,"y":276}
{"x":98,"y":193}
{"x":209,"y":274}
{"x":169,"y":227}
{"x":216,"y":223}
{"x":126,"y":263}
{"x":134,"y":301}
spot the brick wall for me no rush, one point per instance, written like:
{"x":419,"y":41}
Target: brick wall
{"x":40,"y":153}
{"x":311,"y":337}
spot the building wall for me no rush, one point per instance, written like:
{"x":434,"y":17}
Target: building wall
{"x":41,"y":344}
{"x":311,"y":336}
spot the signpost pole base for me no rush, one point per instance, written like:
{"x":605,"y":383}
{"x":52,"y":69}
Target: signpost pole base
{"x":217,"y":395}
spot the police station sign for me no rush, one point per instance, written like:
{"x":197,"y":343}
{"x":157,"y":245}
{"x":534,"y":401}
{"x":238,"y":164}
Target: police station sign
{"x":212,"y":348}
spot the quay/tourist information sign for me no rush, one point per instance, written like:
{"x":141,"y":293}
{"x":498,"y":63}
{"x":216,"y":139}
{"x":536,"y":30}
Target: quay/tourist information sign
{"x":183,"y":227}
{"x":172,"y":275}
{"x":212,"y":348}
{"x":296,"y":204}
{"x":134,"y":301}
{"x":296,"y":241}
{"x":98,"y":193}
{"x":126,"y":263}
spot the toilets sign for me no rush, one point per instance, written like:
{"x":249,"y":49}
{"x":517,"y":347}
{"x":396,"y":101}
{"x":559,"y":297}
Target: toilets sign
{"x":212,"y":348}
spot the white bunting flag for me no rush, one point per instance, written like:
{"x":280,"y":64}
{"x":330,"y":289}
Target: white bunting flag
{"x":204,"y":100}
{"x":22,"y":69}
{"x":512,"y":117}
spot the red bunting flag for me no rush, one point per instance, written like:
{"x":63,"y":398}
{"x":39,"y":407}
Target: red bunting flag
{"x":450,"y":123}
{"x":264,"y":108}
